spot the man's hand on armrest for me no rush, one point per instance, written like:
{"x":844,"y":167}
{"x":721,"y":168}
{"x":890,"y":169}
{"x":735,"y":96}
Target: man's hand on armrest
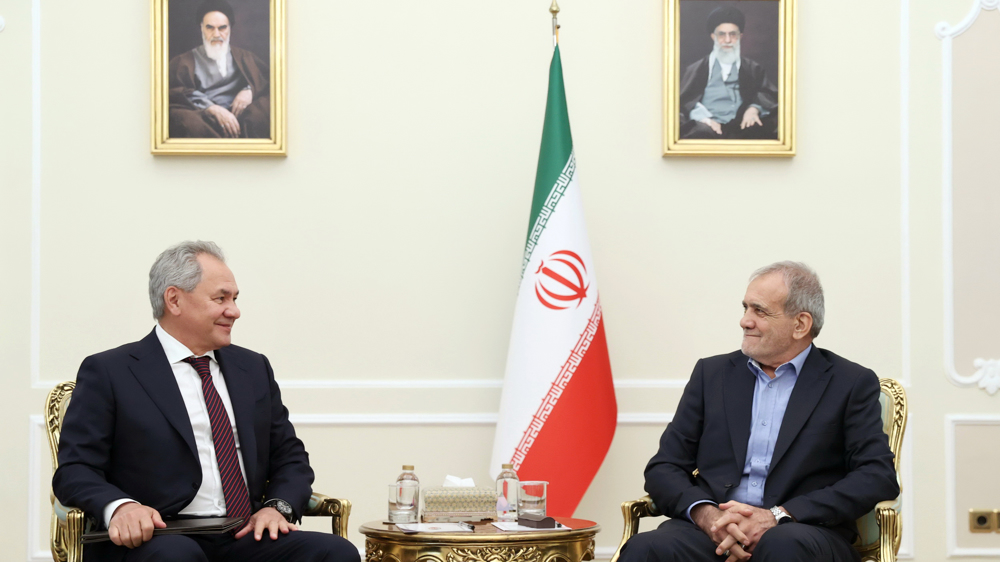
{"x":132,"y":524}
{"x":729,"y":537}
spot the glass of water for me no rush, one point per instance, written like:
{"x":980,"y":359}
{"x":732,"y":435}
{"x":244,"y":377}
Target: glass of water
{"x":403,"y":499}
{"x":531,"y":498}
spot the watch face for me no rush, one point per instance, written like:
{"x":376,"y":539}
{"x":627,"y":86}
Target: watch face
{"x":283,"y":507}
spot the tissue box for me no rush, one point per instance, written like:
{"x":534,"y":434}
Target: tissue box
{"x":448,"y":504}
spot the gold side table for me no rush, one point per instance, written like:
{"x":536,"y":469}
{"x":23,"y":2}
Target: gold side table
{"x":386,"y":543}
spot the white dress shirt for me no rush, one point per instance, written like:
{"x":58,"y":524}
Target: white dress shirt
{"x":210,"y":500}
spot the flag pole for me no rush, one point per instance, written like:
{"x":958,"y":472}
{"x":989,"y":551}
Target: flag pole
{"x":554,"y":10}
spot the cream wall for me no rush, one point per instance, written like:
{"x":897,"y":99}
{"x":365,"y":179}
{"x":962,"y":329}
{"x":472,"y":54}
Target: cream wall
{"x":378,"y":261}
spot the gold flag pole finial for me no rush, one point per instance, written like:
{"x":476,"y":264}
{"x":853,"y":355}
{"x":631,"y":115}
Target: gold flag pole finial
{"x":554,"y":10}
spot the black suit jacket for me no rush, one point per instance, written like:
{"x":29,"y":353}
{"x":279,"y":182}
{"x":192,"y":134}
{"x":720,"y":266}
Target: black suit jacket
{"x":127,"y":433}
{"x":831,"y":461}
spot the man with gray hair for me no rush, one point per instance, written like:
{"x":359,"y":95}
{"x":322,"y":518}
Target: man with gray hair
{"x":774,"y":450}
{"x":184,"y":425}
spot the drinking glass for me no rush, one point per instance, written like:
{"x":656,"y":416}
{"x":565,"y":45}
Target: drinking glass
{"x":403,"y":498}
{"x":531,"y":498}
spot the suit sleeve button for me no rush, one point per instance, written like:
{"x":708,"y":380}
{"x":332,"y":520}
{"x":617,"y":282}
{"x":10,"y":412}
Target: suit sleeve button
{"x":194,"y":485}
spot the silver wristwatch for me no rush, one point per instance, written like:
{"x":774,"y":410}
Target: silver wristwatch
{"x":282,"y":507}
{"x":781,"y":516}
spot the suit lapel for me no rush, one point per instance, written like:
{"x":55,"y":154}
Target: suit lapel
{"x":809,"y":387}
{"x":738,"y":394}
{"x":238,"y":382}
{"x":153,"y":372}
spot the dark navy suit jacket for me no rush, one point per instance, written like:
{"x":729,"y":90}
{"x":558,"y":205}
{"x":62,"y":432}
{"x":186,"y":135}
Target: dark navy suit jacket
{"x":831,"y":461}
{"x":127,"y":433}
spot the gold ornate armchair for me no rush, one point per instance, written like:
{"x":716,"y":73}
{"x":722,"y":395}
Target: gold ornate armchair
{"x":69,"y":524}
{"x":880,"y":530}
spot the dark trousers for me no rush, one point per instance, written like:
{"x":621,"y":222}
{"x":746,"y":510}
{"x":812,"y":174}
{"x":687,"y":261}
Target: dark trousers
{"x":677,"y":540}
{"x":297,"y":546}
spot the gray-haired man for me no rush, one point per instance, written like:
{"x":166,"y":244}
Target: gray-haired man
{"x":184,"y":425}
{"x":774,"y":450}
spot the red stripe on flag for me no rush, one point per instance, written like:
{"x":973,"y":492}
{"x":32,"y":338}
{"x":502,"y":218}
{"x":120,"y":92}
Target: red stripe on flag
{"x":572,"y":443}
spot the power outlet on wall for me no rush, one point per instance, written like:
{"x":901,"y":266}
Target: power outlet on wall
{"x":984,"y":520}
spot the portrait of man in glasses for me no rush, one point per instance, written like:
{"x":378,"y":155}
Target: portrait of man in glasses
{"x":725,"y":94}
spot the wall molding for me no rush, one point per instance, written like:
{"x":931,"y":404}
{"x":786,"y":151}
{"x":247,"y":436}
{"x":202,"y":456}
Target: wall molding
{"x":906,"y":544}
{"x":951,"y":421}
{"x":410,"y":384}
{"x":987,"y":375}
{"x":904,"y":189}
{"x":35,"y":330}
{"x":463,"y":419}
{"x":36,"y":435}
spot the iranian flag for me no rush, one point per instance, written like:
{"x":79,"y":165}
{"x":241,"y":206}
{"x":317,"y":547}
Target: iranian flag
{"x":558,"y":411}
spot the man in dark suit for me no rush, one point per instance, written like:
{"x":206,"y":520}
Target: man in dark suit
{"x":774,"y":450}
{"x":184,"y":425}
{"x":726,"y":95}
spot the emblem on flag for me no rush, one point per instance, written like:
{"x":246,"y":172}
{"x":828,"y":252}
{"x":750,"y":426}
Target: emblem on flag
{"x":561,"y":279}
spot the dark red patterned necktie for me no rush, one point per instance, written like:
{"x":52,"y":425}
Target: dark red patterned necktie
{"x":233,"y":487}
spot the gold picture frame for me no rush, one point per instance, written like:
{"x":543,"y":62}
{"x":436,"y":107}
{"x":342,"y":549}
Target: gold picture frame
{"x":689,"y":48}
{"x":174,"y":68}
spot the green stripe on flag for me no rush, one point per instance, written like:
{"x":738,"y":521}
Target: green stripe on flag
{"x":554,"y":158}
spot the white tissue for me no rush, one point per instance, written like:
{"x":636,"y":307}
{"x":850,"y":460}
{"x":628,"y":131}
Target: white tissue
{"x":456,"y":482}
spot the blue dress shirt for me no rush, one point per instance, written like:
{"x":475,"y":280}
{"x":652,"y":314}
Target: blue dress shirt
{"x":770,"y":399}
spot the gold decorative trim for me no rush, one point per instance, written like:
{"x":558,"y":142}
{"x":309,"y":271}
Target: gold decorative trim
{"x":494,"y":554}
{"x":339,"y":510}
{"x":65,"y":536}
{"x":894,"y":390}
{"x":385,"y":543}
{"x":55,"y":403}
{"x":373,"y":551}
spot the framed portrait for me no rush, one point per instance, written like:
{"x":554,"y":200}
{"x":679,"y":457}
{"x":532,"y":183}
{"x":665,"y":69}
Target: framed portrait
{"x":729,"y":77}
{"x":218,"y":77}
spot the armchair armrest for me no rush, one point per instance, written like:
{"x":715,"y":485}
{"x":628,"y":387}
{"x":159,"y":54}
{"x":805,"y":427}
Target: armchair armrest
{"x":325,"y":506}
{"x":890,"y":525}
{"x":67,"y":532}
{"x":632,"y":511}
